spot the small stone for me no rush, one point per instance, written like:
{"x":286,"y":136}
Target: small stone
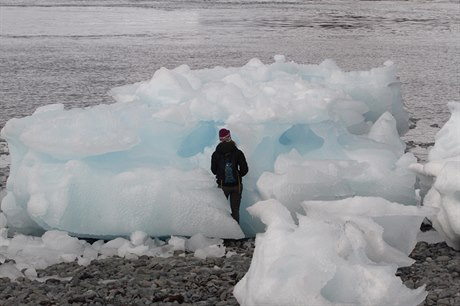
{"x":421,"y":282}
{"x":90,"y":294}
{"x":223,"y":296}
{"x":144,"y":292}
{"x":409,"y":284}
{"x":77,"y":299}
{"x":443,"y":302}
{"x":52,"y":281}
{"x":443,"y":258}
{"x":449,"y":293}
{"x":432,"y":296}
{"x":454,"y":268}
{"x":456,"y":301}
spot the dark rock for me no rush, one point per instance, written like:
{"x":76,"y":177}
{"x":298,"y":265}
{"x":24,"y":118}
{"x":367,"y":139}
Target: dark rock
{"x":443,"y":258}
{"x":84,"y":275}
{"x":52,"y":281}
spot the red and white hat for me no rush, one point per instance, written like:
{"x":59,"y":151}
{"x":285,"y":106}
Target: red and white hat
{"x":224,"y":135}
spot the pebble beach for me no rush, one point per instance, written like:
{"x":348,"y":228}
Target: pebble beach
{"x":187,"y":280}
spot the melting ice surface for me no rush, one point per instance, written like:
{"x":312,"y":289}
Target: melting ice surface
{"x":335,"y":255}
{"x":441,"y":179}
{"x":328,"y":172}
{"x":347,"y":251}
{"x":309,"y":132}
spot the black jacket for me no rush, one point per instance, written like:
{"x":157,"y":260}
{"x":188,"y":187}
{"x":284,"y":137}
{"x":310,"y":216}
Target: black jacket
{"x":240,"y":160}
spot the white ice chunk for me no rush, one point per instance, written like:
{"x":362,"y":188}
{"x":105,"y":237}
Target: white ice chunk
{"x":178,"y":243}
{"x":447,"y":140}
{"x":326,"y":260}
{"x":210,"y":251}
{"x":138,"y":238}
{"x":384,"y":131}
{"x":400,"y":223}
{"x":58,"y":240}
{"x":2,"y":220}
{"x":10,"y":271}
{"x":58,"y":107}
{"x":199,"y":241}
{"x":441,"y":179}
{"x":142,"y":163}
{"x":445,"y":195}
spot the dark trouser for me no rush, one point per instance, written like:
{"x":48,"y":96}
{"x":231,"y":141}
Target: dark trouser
{"x":235,"y":199}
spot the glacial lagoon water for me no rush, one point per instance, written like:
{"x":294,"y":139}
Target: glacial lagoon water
{"x":73,"y":52}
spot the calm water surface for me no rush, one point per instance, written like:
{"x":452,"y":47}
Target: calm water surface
{"x":73,"y":52}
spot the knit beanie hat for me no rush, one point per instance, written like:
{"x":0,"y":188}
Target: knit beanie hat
{"x":224,"y":135}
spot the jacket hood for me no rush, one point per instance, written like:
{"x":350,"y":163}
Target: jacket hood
{"x":225,"y":147}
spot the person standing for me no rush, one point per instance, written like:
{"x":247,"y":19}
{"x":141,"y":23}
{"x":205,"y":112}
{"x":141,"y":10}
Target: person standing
{"x":229,"y":165}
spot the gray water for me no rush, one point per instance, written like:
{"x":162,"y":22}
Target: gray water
{"x":73,"y":52}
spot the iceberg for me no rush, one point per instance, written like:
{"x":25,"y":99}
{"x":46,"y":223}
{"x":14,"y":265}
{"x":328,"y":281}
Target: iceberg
{"x":309,"y":132}
{"x":440,"y":179}
{"x":336,"y":254}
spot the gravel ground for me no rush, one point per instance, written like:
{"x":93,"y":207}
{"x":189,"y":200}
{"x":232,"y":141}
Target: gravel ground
{"x":185,"y":279}
{"x":182,"y":279}
{"x":437,"y":266}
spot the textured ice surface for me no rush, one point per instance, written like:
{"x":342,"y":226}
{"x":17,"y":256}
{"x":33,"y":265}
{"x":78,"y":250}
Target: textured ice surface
{"x":441,"y":179}
{"x":309,"y":132}
{"x":336,"y":254}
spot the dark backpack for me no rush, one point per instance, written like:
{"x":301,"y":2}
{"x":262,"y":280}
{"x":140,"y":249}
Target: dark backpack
{"x":229,"y":169}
